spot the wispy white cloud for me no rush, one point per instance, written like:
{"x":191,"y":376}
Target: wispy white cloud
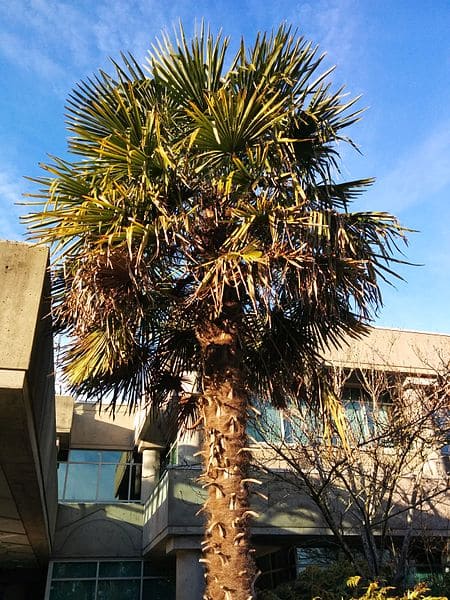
{"x":419,"y":174}
{"x":10,"y":194}
{"x":66,"y":40}
{"x":333,"y":23}
{"x":58,"y":39}
{"x":15,"y":49}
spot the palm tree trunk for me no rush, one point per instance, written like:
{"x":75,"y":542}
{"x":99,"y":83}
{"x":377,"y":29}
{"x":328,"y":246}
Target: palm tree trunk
{"x":230,"y":569}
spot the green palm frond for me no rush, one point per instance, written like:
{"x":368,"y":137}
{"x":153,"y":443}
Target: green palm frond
{"x":190,"y":72}
{"x":196,"y":192}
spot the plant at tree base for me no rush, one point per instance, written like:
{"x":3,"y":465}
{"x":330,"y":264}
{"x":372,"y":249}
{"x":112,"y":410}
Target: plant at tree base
{"x":350,"y":591}
{"x":200,"y":227}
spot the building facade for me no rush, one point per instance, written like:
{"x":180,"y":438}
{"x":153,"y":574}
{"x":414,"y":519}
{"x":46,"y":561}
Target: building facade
{"x":95,"y":506}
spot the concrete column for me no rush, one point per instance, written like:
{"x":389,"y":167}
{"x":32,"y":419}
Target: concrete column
{"x":150,"y":470}
{"x":190,"y":575}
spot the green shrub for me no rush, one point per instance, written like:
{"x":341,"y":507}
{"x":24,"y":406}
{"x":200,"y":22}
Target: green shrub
{"x":351,"y":591}
{"x":377,"y":592}
{"x":439,"y":584}
{"x":327,"y":583}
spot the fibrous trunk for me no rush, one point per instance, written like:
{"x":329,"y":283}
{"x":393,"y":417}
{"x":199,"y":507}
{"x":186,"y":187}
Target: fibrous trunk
{"x":230,"y":570}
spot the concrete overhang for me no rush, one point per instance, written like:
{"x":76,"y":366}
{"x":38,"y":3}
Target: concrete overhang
{"x":393,"y":350}
{"x":25,"y":533}
{"x":28,"y":497}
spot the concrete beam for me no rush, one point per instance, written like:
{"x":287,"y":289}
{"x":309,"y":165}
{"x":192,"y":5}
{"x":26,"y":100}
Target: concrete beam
{"x":21,"y":465}
{"x":23,"y":272}
{"x":28,"y":498}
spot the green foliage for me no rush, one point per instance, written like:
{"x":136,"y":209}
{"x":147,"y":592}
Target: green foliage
{"x":194,"y":193}
{"x":439,"y":583}
{"x":340,"y":587}
{"x":377,"y":592}
{"x":327,"y":583}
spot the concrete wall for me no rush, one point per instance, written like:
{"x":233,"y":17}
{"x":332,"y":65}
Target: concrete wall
{"x":95,"y":530}
{"x":28,"y":497}
{"x":394,"y":350}
{"x":285,"y":511}
{"x":24,"y":284}
{"x":95,"y":427}
{"x":98,"y":530}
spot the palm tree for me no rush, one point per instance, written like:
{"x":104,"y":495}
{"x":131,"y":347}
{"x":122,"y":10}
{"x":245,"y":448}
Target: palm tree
{"x":202,"y":226}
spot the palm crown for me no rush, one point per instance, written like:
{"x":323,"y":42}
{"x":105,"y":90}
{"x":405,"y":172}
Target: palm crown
{"x":199,"y":190}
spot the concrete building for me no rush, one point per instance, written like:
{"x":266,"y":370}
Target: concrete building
{"x":94,"y":507}
{"x":28,"y":483}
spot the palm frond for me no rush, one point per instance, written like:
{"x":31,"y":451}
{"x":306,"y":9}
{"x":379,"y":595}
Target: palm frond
{"x":198,"y":194}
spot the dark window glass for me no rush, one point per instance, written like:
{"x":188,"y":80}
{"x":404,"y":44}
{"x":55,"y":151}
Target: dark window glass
{"x":63,"y":454}
{"x":125,"y":568}
{"x":156,"y":569}
{"x":73,"y":590}
{"x":158,"y":589}
{"x":122,"y":489}
{"x":136,"y":477}
{"x":78,"y":570}
{"x":320,"y":557}
{"x":128,"y":589}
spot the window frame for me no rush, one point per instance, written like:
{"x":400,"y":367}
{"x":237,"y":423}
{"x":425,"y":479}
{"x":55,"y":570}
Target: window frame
{"x":283,"y":431}
{"x":142,"y":577}
{"x":131,"y":465}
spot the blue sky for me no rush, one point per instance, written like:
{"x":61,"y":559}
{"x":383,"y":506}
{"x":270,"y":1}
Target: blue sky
{"x":394,"y":52}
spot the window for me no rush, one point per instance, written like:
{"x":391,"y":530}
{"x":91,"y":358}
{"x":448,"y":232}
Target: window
{"x":99,"y":476}
{"x":315,"y":556}
{"x":442,"y":424}
{"x":297,"y":425}
{"x":267,"y":426}
{"x":367,"y":419}
{"x":169,"y":458}
{"x":110,"y":580}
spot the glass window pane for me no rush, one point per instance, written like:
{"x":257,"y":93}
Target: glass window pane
{"x":81,"y":482}
{"x":120,"y":568}
{"x":320,"y":557}
{"x":157,"y":568}
{"x":351,"y":394}
{"x":136,"y":476}
{"x":355,"y":413}
{"x":68,"y":570}
{"x":72,"y":590}
{"x":128,"y":589}
{"x":62,"y":468}
{"x":114,"y":456}
{"x":107,"y":482}
{"x":267,"y":425}
{"x":122,"y":481}
{"x":84,"y":456}
{"x":158,"y":589}
{"x":301,"y":425}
